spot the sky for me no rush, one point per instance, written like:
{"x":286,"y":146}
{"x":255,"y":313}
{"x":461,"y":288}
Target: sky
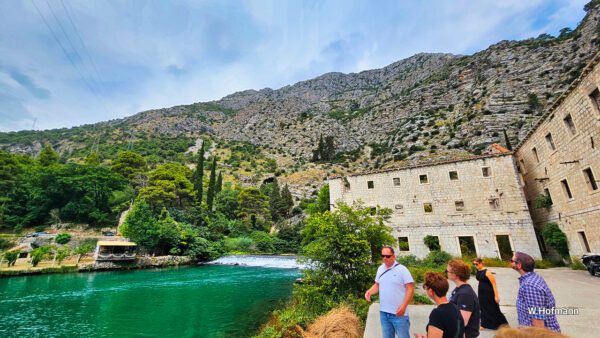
{"x":65,"y":63}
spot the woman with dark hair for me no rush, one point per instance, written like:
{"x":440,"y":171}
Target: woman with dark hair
{"x":464,"y":297}
{"x":489,"y":298}
{"x":445,"y":321}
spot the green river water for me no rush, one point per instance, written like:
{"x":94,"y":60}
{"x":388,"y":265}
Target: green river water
{"x":203,"y":301}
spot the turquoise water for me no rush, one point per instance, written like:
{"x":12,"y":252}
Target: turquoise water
{"x":204,"y":301}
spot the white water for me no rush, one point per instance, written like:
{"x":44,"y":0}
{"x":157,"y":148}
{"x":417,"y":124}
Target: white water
{"x":285,"y":262}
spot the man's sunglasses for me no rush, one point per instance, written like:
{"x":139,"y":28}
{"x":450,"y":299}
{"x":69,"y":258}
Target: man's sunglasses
{"x":386,"y":256}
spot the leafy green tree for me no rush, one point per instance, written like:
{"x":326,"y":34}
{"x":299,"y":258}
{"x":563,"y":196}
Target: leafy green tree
{"x":48,"y":156}
{"x":198,"y":177}
{"x":168,"y":233}
{"x":341,"y":244}
{"x":141,"y":226}
{"x":62,"y":253}
{"x":92,"y":159}
{"x":226,"y":201}
{"x":556,"y":238}
{"x":83,"y":249}
{"x":274,"y":200}
{"x":263,"y":241}
{"x":321,"y":204}
{"x":129,"y":164}
{"x":210,"y":195}
{"x":39,"y":254}
{"x":253,"y":208}
{"x":11,"y":257}
{"x":168,"y":185}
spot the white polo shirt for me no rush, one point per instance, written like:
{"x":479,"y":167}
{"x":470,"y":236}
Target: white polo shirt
{"x":392,"y":286}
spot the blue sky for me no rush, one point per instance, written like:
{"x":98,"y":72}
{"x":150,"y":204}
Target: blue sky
{"x":65,"y":63}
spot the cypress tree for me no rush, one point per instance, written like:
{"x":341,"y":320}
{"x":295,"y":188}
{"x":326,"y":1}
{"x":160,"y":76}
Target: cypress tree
{"x":210,"y":195}
{"x":199,"y":174}
{"x":287,"y":201}
{"x":219,"y":185}
{"x":329,"y":149}
{"x":275,"y":200}
{"x":508,"y":145}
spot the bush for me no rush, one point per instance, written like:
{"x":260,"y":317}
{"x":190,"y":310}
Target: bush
{"x":556,"y":238}
{"x":408,"y":260}
{"x":263,"y":241}
{"x":576,"y":264}
{"x":239,"y":244}
{"x":11,"y":257}
{"x":422,"y":299}
{"x":437,"y":259}
{"x":496,"y":262}
{"x":63,"y":238}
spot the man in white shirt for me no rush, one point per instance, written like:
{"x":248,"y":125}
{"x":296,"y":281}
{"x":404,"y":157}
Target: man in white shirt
{"x":396,"y":287}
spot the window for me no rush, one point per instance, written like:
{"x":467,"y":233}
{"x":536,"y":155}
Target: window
{"x":467,"y":246}
{"x":584,"y":242}
{"x":486,"y":171}
{"x":550,"y":142}
{"x":590,"y":180}
{"x":494,"y":203}
{"x":403,"y":244}
{"x":459,"y":205}
{"x":566,"y":189}
{"x":370,"y":184}
{"x":396,"y":181}
{"x":548,"y":197}
{"x":423,"y":179}
{"x":570,"y":124}
{"x":595,"y":97}
{"x":535,"y":155}
{"x":453,"y":176}
{"x":428,"y":208}
{"x":523,"y":166}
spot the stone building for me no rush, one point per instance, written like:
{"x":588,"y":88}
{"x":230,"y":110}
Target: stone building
{"x":559,"y":163}
{"x":492,"y":204}
{"x":472,"y":207}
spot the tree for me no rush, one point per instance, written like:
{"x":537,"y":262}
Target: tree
{"x":226,"y":201}
{"x":168,"y":234}
{"x":321,"y":204}
{"x":508,"y":145}
{"x":210,"y":195}
{"x":198,"y":177}
{"x":48,"y":156}
{"x":141,"y":226}
{"x":129,"y":164}
{"x":274,"y":199}
{"x":39,"y":254}
{"x":287,"y":201}
{"x":253,"y":208}
{"x":341,"y":245}
{"x":556,"y":238}
{"x":83,"y":249}
{"x":92,"y":159}
{"x":62,"y":253}
{"x":11,"y":257}
{"x":169,"y":186}
{"x":219,"y":185}
{"x":329,"y":149}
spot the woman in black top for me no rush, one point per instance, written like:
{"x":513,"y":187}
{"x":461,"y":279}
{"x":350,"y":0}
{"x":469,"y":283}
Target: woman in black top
{"x":445,"y":320}
{"x":464,"y":297}
{"x":489,"y":299}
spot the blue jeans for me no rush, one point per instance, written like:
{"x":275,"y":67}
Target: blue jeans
{"x":390,"y":324}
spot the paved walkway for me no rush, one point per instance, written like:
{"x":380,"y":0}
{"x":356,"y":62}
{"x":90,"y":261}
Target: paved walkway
{"x":571,"y":289}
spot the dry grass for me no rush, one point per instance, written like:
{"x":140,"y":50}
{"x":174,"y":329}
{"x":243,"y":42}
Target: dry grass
{"x":340,"y":322}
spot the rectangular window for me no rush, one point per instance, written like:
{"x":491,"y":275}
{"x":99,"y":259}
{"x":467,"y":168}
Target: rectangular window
{"x":486,"y":171}
{"x":550,"y":142}
{"x":423,"y":179}
{"x":590,"y":180}
{"x":595,"y":97}
{"x":535,"y":155}
{"x":453,"y":176}
{"x":566,"y":189}
{"x":459,"y":205}
{"x":570,"y":124}
{"x":370,"y":185}
{"x":396,"y":181}
{"x":467,"y":246}
{"x":548,"y":197}
{"x":584,"y":242}
{"x":403,"y":244}
{"x":494,"y":203}
{"x":428,"y":208}
{"x":523,"y":166}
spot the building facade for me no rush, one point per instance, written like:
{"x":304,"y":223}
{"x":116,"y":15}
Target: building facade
{"x":469,"y":207}
{"x":559,"y":164}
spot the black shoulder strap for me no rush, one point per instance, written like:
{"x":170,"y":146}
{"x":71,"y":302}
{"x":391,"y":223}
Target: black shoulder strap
{"x":386,"y":271}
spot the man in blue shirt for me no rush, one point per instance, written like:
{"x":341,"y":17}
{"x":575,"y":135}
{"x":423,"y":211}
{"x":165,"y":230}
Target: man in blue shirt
{"x":535,"y":302}
{"x":395,"y":286}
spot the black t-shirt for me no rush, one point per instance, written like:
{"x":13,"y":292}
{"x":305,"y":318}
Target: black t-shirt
{"x":447,"y":318}
{"x":465,"y":298}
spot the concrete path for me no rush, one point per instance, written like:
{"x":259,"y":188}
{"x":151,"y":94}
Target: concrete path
{"x":571,"y":288}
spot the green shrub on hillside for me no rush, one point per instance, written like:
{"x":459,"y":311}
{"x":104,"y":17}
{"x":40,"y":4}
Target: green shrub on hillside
{"x":63,"y":238}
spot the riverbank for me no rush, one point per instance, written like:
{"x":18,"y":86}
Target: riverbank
{"x":143,"y":262}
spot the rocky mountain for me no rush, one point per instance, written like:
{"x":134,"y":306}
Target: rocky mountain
{"x":428,"y":105}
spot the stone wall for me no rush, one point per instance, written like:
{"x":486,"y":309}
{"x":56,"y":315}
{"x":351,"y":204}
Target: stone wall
{"x":575,"y":149}
{"x":429,"y":200}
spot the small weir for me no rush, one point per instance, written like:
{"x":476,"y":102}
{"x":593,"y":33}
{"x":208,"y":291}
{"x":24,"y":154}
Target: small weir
{"x":282,"y":262}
